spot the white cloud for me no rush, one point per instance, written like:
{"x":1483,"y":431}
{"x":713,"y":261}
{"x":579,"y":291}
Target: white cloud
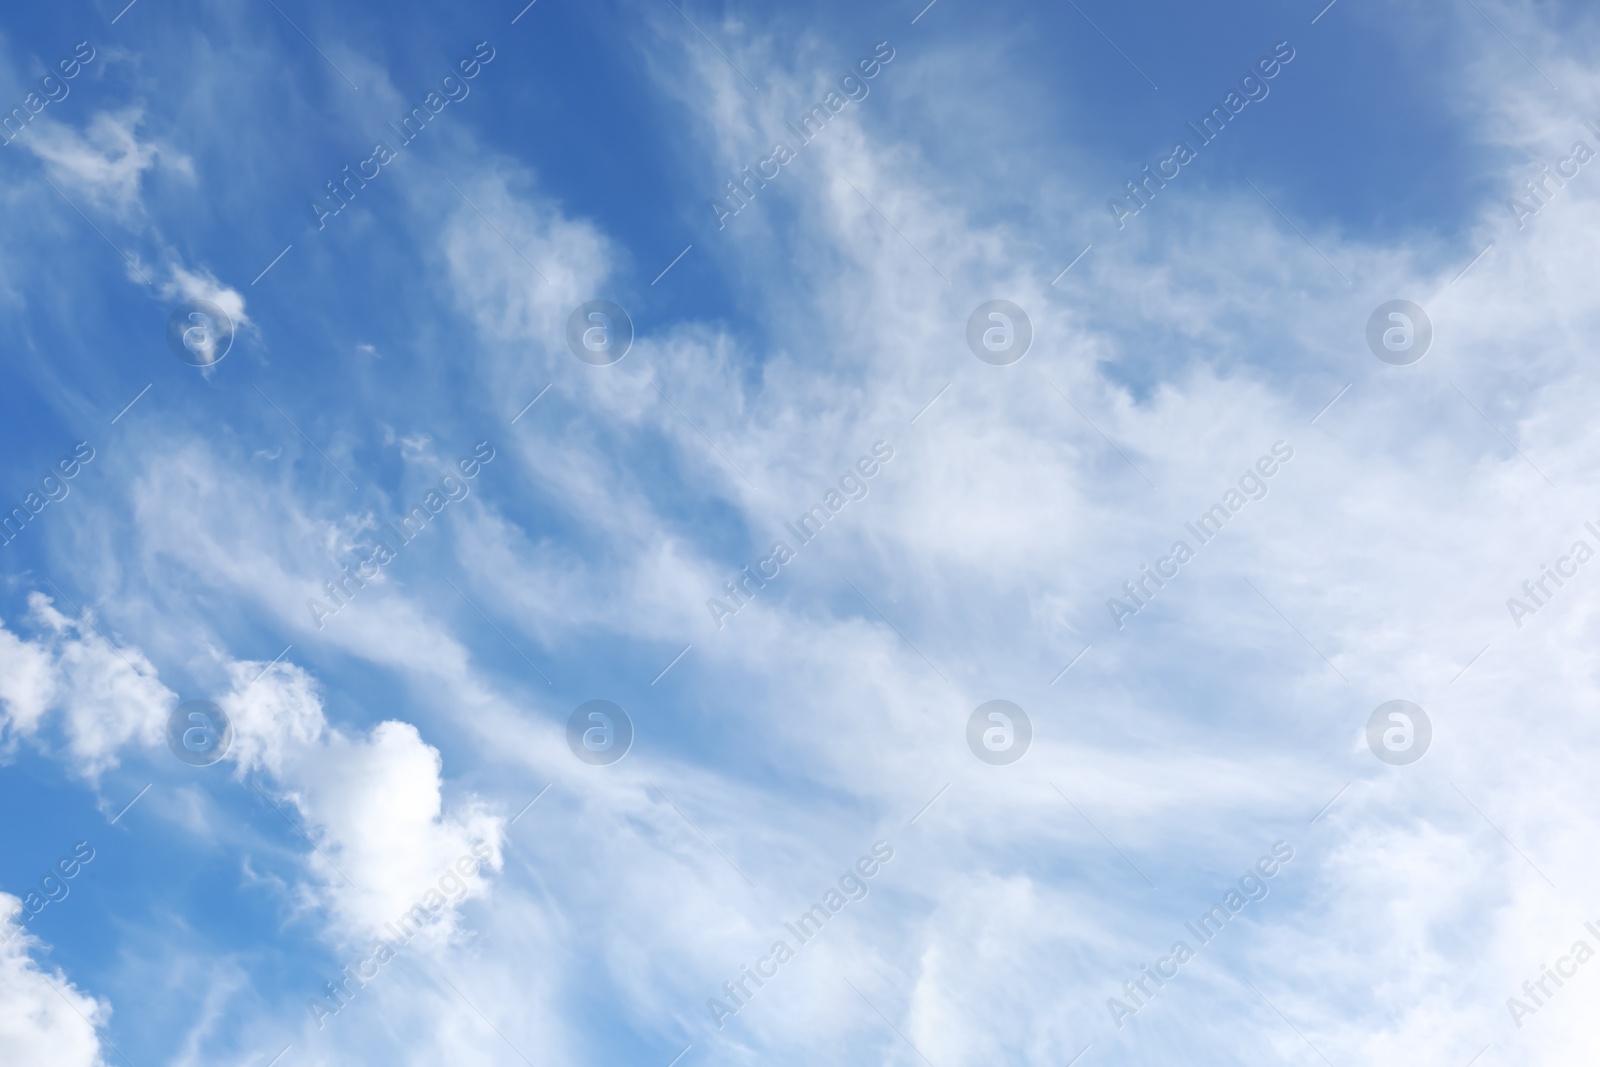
{"x":993,"y":539}
{"x":201,"y":284}
{"x":27,"y":683}
{"x":106,"y":695}
{"x":106,"y":162}
{"x":43,"y":1017}
{"x":374,"y":803}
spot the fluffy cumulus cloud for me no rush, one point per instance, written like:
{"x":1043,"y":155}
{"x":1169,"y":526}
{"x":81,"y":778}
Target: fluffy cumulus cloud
{"x":43,"y":1018}
{"x":100,"y":695}
{"x":373,"y":801}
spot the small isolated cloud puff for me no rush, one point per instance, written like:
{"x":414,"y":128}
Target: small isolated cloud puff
{"x":374,"y":803}
{"x":203,"y":285}
{"x":43,"y":1019}
{"x":107,"y":695}
{"x":107,"y":161}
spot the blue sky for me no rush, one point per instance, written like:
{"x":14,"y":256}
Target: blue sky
{"x":596,"y":513}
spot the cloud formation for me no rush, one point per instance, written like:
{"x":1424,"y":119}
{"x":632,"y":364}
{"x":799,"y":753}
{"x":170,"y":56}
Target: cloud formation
{"x":43,"y":1017}
{"x":102,"y":696}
